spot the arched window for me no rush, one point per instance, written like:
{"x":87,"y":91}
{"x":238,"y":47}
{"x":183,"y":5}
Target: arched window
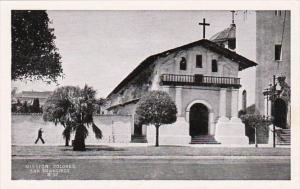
{"x":182,"y":63}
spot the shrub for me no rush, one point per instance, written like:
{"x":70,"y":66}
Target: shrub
{"x":258,"y":122}
{"x":156,"y":108}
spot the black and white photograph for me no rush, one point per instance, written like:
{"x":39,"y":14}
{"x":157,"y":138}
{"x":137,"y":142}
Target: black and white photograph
{"x":150,"y":94}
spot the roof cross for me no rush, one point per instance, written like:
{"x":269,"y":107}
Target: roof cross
{"x":232,"y":12}
{"x":204,"y":24}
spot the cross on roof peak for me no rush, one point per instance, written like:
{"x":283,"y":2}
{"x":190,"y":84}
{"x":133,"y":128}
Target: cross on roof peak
{"x":204,"y":24}
{"x":232,"y":13}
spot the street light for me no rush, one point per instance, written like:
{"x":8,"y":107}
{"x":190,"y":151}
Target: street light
{"x":272,"y":93}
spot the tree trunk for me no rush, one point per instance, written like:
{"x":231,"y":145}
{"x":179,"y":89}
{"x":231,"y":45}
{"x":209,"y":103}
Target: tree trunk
{"x":79,"y":144}
{"x":157,"y":134}
{"x":67,"y":142}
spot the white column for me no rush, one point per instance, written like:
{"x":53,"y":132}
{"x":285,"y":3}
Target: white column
{"x":234,"y":103}
{"x":211,"y":125}
{"x":178,"y":100}
{"x":144,"y":130}
{"x":166,"y":89}
{"x":270,"y":107}
{"x":132,"y":124}
{"x":222,"y":104}
{"x":265,"y":106}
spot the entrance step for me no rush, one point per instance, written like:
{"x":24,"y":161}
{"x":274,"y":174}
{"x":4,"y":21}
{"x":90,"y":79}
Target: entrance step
{"x":204,"y":139}
{"x":138,"y":139}
{"x":283,"y":137}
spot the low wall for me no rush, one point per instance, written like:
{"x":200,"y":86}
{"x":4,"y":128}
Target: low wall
{"x":24,"y":129}
{"x":170,"y":134}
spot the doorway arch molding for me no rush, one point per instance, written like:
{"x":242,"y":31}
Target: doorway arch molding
{"x":211,"y":129}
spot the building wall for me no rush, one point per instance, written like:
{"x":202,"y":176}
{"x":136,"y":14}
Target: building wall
{"x":149,"y":79}
{"x":178,"y":132}
{"x":269,"y":31}
{"x":200,"y":93}
{"x":24,"y":128}
{"x":170,"y":64}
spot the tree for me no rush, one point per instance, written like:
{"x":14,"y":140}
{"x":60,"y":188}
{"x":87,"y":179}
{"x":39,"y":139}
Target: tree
{"x":34,"y":54}
{"x":257,"y":127}
{"x":156,"y":108}
{"x":25,"y":108}
{"x":35,"y":108}
{"x":73,"y":108}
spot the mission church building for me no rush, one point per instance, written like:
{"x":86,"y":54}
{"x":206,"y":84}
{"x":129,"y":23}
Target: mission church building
{"x":202,"y":79}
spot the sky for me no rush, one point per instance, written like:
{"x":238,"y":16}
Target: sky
{"x":100,"y":48}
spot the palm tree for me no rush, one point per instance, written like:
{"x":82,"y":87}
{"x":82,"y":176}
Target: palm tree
{"x":73,"y":108}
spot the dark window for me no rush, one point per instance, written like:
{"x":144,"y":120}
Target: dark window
{"x":276,"y":13}
{"x":277,"y":52}
{"x":214,"y":65}
{"x":198,"y":61}
{"x":183,"y":63}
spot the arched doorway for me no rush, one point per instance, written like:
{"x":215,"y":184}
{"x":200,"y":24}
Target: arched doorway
{"x":279,"y":113}
{"x":198,"y":120}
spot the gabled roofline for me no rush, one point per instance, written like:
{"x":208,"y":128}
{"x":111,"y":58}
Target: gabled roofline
{"x":243,"y":62}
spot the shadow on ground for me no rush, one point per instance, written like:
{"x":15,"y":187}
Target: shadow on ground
{"x":97,"y":148}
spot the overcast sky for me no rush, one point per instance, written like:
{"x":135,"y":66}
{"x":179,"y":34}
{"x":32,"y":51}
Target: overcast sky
{"x":100,"y":48}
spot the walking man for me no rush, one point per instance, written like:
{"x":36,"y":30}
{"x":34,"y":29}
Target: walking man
{"x":40,"y":136}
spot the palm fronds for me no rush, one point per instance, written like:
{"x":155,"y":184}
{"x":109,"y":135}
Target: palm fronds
{"x":97,"y":131}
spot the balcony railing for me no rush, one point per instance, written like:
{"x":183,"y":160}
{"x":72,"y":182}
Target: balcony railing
{"x":199,"y":80}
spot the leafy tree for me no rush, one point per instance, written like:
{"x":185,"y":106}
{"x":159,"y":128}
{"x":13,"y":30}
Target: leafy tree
{"x":25,"y":108}
{"x":35,"y":108}
{"x":259,"y":123}
{"x":19,"y":106}
{"x":73,"y":108}
{"x":13,"y":108}
{"x":34,"y":54}
{"x":156,"y":108}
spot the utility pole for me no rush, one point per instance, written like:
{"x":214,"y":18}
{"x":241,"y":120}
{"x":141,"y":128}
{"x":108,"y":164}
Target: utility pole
{"x":274,"y":93}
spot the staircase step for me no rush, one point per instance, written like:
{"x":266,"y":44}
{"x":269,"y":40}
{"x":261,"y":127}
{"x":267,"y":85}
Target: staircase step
{"x":204,"y":139}
{"x":283,"y":137}
{"x":138,"y":139}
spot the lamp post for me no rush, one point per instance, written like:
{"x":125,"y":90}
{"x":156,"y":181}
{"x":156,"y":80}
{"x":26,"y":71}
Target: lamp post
{"x":272,"y":94}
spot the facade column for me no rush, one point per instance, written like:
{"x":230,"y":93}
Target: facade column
{"x":178,"y":100}
{"x":266,"y":106}
{"x":132,"y":124}
{"x":234,"y":103}
{"x":211,"y":125}
{"x":166,"y":89}
{"x":222,"y":104}
{"x":144,"y":130}
{"x":270,"y":108}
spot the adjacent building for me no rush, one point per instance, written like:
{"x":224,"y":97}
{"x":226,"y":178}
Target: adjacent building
{"x":273,"y":47}
{"x":29,"y":96}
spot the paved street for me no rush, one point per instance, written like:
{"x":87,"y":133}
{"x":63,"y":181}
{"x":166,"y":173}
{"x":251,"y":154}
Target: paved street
{"x":141,"y":162}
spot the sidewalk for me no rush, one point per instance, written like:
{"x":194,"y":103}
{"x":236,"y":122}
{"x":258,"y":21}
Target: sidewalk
{"x":145,"y":151}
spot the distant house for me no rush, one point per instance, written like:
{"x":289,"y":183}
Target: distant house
{"x":29,"y":96}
